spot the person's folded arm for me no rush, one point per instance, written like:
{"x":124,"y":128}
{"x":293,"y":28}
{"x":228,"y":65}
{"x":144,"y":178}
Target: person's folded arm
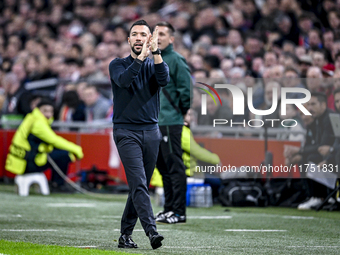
{"x":122,"y":76}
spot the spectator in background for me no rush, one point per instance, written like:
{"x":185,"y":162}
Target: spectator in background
{"x":270,"y":59}
{"x":319,"y":60}
{"x":327,"y":42}
{"x":314,"y":39}
{"x":96,"y":106}
{"x":215,"y":111}
{"x":316,"y":83}
{"x":174,"y":104}
{"x":268,"y":100}
{"x":323,"y":141}
{"x":34,"y":139}
{"x":18,"y":99}
{"x":292,"y":123}
{"x":305,"y":62}
{"x":72,"y":109}
{"x":291,"y":79}
{"x":332,"y":155}
{"x":235,"y":46}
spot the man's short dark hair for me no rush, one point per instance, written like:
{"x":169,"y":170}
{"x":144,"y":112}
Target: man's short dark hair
{"x":168,"y":25}
{"x":322,"y":98}
{"x":139,"y":23}
{"x":92,"y":86}
{"x":292,"y":69}
{"x":45,"y":101}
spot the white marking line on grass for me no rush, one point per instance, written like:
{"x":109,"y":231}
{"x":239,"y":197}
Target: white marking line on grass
{"x":16,"y":215}
{"x":117,"y":229}
{"x":29,"y":230}
{"x":298,"y":217}
{"x":313,"y":246}
{"x":188,"y":247}
{"x":111,"y":217}
{"x":255,"y":230}
{"x":86,"y":246}
{"x":71,"y":205}
{"x":209,"y":217}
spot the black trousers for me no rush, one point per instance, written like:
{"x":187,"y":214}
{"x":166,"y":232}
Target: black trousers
{"x":60,"y":157}
{"x":171,"y":167}
{"x":138,"y":151}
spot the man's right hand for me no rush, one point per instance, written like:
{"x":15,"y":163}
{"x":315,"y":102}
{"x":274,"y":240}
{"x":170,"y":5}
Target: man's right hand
{"x":145,"y":50}
{"x":79,"y":153}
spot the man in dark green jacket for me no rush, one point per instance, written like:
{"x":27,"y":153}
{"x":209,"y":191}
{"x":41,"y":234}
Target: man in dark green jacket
{"x":174,"y":104}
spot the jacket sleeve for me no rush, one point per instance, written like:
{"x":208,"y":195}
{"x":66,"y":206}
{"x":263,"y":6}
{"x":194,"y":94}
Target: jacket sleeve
{"x":327,"y":137}
{"x":44,"y":132}
{"x":122,"y":76}
{"x":190,"y":146}
{"x":183,"y":84}
{"x":162,"y":74}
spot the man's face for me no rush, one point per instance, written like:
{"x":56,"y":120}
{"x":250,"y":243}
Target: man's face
{"x":269,"y":59}
{"x":328,"y":39}
{"x":318,"y":59}
{"x":138,"y":36}
{"x":337,"y":101}
{"x":47,"y":111}
{"x":253,"y":46}
{"x":90,"y":96}
{"x":315,"y":107}
{"x":164,"y":37}
{"x":313,"y":80}
{"x":290,"y":79}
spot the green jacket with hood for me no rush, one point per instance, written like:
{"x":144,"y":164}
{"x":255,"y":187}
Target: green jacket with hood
{"x":33,"y":140}
{"x":178,"y":89}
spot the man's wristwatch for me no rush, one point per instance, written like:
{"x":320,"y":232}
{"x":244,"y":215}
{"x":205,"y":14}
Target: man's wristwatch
{"x":156,"y":52}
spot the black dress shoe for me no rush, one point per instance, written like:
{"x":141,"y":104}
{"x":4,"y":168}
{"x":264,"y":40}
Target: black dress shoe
{"x":125,"y":241}
{"x":155,"y":240}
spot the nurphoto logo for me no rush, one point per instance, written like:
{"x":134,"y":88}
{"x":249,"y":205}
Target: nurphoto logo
{"x":239,"y":103}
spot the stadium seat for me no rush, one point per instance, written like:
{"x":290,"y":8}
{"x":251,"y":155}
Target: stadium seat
{"x":25,"y":181}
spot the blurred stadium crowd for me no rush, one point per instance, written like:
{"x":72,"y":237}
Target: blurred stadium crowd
{"x":250,"y":43}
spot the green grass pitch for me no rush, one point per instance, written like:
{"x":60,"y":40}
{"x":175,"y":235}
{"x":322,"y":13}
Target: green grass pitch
{"x":78,"y":224}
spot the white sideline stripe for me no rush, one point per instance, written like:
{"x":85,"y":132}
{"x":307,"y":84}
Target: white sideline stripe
{"x":188,"y":247}
{"x":313,"y":246}
{"x":160,"y":230}
{"x":255,"y":230}
{"x":85,"y":246}
{"x":29,"y":230}
{"x":209,"y":217}
{"x":189,"y":217}
{"x":16,"y":215}
{"x":71,"y":205}
{"x":298,"y":217}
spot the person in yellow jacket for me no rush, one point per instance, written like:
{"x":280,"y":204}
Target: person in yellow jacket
{"x":34,"y":139}
{"x":192,"y":152}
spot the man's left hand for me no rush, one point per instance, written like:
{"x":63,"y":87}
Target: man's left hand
{"x":154,"y":40}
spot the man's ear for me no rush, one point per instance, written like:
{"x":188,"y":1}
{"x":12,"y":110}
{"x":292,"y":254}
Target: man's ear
{"x":172,"y":39}
{"x":129,"y":40}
